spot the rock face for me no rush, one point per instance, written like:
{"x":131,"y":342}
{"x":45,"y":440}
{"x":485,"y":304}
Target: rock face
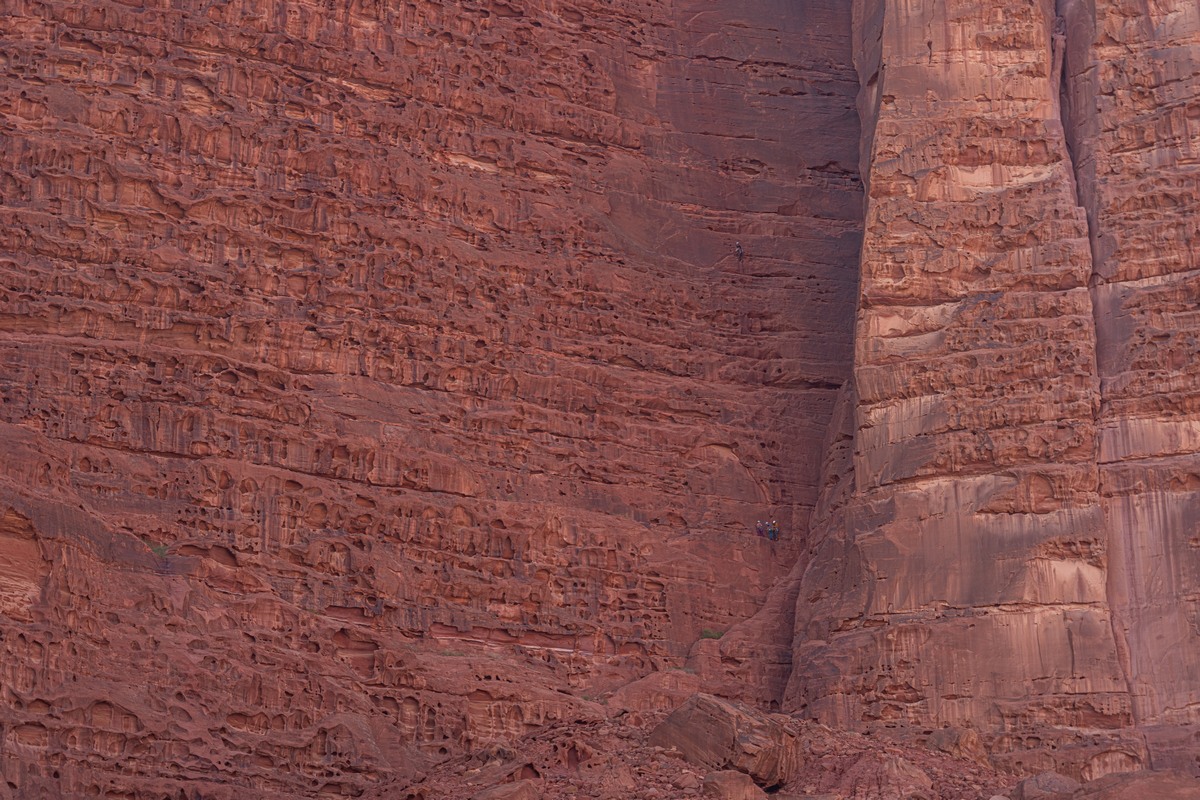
{"x":1132,"y":81}
{"x":708,"y":748}
{"x":381,"y":382}
{"x":1009,"y":545}
{"x":377,"y":379}
{"x":720,"y":736}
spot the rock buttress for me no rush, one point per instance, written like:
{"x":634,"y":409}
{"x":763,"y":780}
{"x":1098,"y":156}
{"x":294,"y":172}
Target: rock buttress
{"x":1017,"y":553}
{"x":964,"y":582}
{"x":1133,"y":96}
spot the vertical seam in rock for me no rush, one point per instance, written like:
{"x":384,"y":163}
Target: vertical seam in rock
{"x":1070,"y":131}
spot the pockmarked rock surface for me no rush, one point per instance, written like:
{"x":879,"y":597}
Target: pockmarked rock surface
{"x":1133,"y":86}
{"x":380,"y":380}
{"x":719,"y":735}
{"x":1006,"y":542}
{"x":708,"y":748}
{"x":385,"y":384}
{"x":731,"y":785}
{"x":1161,"y":785}
{"x":1157,"y":784}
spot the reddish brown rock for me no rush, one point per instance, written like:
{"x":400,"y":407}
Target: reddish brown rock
{"x":892,"y":778}
{"x":998,"y":552}
{"x":521,"y":790}
{"x":381,"y":384}
{"x":963,"y":581}
{"x":619,"y":758}
{"x":657,"y":692}
{"x":1137,"y":786}
{"x":1132,"y":81}
{"x":718,"y":735}
{"x":730,"y":784}
{"x":1160,"y":785}
{"x":378,"y":381}
{"x":1046,"y":785}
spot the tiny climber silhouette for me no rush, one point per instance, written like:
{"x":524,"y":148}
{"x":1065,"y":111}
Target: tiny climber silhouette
{"x":768,"y":529}
{"x":738,"y":251}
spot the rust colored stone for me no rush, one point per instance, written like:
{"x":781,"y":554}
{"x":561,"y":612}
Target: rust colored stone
{"x":379,"y":381}
{"x":1007,"y":545}
{"x":732,"y":785}
{"x":385,"y":385}
{"x":624,"y":757}
{"x":718,"y":735}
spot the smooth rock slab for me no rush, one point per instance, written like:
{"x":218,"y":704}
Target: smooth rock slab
{"x":719,"y":735}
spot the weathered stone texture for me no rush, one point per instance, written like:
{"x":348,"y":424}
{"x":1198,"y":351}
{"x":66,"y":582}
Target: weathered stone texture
{"x":1133,"y":80}
{"x":378,"y":382}
{"x":1016,"y":552}
{"x":372,"y":375}
{"x":965,"y":582}
{"x":710,"y":748}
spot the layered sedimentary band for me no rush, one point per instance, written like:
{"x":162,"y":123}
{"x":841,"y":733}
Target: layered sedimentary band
{"x":381,"y":382}
{"x":381,"y":379}
{"x":1010,"y":546}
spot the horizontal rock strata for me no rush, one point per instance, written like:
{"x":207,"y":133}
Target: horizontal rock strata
{"x":1009,"y":547}
{"x":378,"y":379}
{"x":1133,"y":84}
{"x":382,"y":383}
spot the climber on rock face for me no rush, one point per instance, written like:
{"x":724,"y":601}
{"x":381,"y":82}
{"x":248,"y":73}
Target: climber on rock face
{"x":738,"y":251}
{"x":1058,"y":52}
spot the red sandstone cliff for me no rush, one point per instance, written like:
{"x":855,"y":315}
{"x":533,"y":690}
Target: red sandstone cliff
{"x":379,"y":381}
{"x":1012,"y":546}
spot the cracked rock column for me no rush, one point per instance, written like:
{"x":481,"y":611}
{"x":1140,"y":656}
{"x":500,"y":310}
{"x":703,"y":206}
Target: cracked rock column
{"x":1133,"y":84}
{"x":963,"y":581}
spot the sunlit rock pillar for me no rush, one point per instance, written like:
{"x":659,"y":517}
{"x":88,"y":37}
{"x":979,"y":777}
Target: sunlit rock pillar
{"x":1133,"y":86}
{"x":963,"y":579}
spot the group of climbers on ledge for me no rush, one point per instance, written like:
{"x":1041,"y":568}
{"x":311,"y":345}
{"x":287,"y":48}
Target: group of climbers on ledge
{"x":767,"y":529}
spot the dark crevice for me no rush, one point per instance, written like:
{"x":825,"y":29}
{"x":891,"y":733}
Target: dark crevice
{"x":1071,"y":113}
